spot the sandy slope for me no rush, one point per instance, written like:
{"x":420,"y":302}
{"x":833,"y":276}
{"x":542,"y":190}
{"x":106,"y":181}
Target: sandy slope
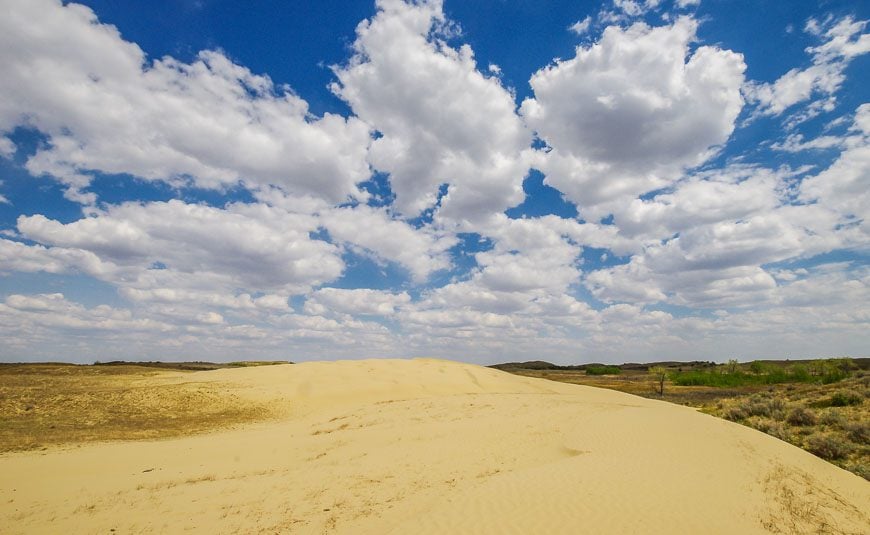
{"x":429,"y":446}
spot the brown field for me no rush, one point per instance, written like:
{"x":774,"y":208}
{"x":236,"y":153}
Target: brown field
{"x":48,"y":404}
{"x":798,"y":413}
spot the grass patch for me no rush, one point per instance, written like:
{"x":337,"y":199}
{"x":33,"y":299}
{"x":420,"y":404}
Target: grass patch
{"x":48,"y":404}
{"x":844,"y":398}
{"x":729,"y":376}
{"x":602,"y":369}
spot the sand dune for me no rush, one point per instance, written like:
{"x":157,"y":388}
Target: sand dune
{"x":428,"y":446}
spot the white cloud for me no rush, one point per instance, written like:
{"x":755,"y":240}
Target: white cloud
{"x":53,"y":311}
{"x":845,"y":185}
{"x":531,"y":260}
{"x":357,"y":301}
{"x":105,"y":107}
{"x":629,"y":113}
{"x":211,"y":318}
{"x":43,"y":326}
{"x":712,"y":265}
{"x":176,"y":258}
{"x":706,"y":244}
{"x":16,"y":256}
{"x":255,"y":247}
{"x":842,"y":41}
{"x":796,"y":143}
{"x":581,"y":26}
{"x":421,"y":251}
{"x":7,"y":147}
{"x":709,"y":197}
{"x":635,"y":8}
{"x":441,"y":120}
{"x":205,"y":299}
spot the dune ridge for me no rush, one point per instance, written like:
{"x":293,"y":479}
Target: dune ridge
{"x":431,"y":446}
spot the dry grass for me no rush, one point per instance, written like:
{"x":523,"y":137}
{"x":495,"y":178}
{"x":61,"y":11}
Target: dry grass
{"x":49,"y":404}
{"x":832,"y":421}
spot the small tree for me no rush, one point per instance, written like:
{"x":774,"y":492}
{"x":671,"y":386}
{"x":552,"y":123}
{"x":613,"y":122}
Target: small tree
{"x":757,"y":367}
{"x":732,"y":366}
{"x":659,"y":374}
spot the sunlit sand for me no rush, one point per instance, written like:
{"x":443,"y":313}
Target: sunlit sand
{"x":429,"y":446}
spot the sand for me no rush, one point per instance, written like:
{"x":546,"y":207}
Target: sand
{"x":430,"y":446}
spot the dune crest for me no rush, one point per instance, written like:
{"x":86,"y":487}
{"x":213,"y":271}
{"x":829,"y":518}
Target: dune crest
{"x":430,"y":446}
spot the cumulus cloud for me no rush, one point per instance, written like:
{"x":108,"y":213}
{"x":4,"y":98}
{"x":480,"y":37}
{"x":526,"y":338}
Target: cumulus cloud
{"x":244,"y":257}
{"x":107,"y":108}
{"x":707,"y":242}
{"x":357,"y":301}
{"x":45,"y":326}
{"x":421,"y":251}
{"x":842,"y":41}
{"x":54,"y":311}
{"x":627,"y":122}
{"x":715,"y":265}
{"x":634,"y":8}
{"x":845,"y":186}
{"x":20,"y":257}
{"x":581,"y":26}
{"x":529,"y":269}
{"x":628,"y":114}
{"x":708,"y":197}
{"x":441,"y":121}
{"x":7,"y":147}
{"x":173,"y":244}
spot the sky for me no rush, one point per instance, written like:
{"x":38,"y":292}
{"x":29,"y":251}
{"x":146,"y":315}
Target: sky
{"x":478,"y":180}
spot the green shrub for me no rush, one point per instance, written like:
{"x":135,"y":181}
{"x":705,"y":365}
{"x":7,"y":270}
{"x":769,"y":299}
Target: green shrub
{"x":861,"y":469}
{"x":799,"y":373}
{"x":762,"y":424}
{"x":828,"y":446}
{"x":780,"y":431}
{"x":729,"y":375}
{"x":757,"y":407}
{"x":833,"y":418}
{"x":844,"y":398}
{"x":601,"y":369}
{"x":859,"y":432}
{"x":735,"y":413}
{"x":765,"y":405}
{"x":801,"y":416}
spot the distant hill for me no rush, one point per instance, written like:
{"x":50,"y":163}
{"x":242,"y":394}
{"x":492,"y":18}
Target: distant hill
{"x":535,"y":365}
{"x":861,"y":362}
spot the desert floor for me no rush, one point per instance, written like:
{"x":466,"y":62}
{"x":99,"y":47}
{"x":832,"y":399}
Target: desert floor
{"x":408,"y":446}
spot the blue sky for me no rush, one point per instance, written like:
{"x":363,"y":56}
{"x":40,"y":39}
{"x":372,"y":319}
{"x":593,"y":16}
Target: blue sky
{"x":482,"y":180}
